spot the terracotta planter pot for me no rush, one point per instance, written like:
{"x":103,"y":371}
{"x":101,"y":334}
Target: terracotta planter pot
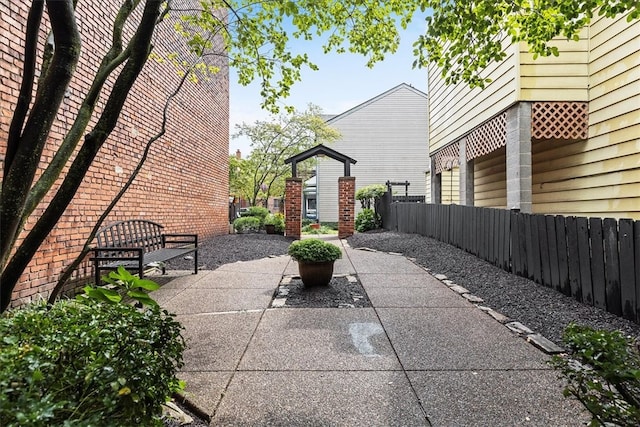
{"x":315,"y":273}
{"x":315,"y":226}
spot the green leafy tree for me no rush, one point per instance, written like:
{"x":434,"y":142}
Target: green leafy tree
{"x":239,"y":185}
{"x":463,"y":37}
{"x":272,"y":142}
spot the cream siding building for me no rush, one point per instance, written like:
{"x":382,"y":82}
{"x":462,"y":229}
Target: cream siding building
{"x":558,"y":135}
{"x":387,"y":135}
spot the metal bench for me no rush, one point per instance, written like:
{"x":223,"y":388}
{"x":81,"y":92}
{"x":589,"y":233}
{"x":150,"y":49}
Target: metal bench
{"x":136,"y":244}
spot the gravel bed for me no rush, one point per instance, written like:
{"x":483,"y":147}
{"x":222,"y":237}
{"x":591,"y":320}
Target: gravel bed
{"x":228,"y":248}
{"x":339,"y":293}
{"x":542,"y":309}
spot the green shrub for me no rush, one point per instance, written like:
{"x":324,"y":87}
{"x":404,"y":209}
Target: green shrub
{"x":259,"y":212}
{"x":87,"y":363}
{"x":277,"y":220}
{"x":367,"y":220}
{"x":603,"y":373}
{"x":307,"y":221}
{"x":247,"y":224}
{"x":314,"y":250}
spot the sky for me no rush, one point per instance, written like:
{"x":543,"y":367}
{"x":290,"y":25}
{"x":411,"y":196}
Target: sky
{"x":342,"y":82}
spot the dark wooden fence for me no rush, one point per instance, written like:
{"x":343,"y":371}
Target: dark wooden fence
{"x":594,"y":260}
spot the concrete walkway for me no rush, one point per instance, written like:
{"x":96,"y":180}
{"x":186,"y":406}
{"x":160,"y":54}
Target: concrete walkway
{"x":422,"y":356}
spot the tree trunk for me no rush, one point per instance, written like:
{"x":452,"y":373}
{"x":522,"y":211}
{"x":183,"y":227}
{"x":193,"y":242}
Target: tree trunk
{"x":21,"y":168}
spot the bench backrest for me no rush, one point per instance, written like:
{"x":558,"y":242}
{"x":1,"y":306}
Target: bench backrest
{"x":134,"y":233}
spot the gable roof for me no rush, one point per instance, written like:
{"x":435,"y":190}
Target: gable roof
{"x":375,"y":99}
{"x":321,"y":150}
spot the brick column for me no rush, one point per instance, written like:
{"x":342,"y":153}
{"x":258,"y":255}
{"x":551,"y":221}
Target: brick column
{"x":346,"y":206}
{"x":293,"y":207}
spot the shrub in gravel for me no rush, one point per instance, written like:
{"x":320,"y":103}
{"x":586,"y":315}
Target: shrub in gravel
{"x":87,"y":363}
{"x":603,"y":373}
{"x":258,"y":212}
{"x":247,"y":224}
{"x":367,"y":220}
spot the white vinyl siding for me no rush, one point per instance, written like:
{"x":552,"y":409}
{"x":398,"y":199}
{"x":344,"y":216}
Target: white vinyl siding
{"x":387,"y":136}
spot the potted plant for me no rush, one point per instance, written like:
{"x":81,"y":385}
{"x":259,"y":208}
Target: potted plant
{"x":315,"y":259}
{"x":274,"y":223}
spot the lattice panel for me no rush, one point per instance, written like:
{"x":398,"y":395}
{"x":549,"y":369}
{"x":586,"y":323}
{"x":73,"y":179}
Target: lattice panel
{"x":560,"y":120}
{"x":488,"y":137}
{"x":447,"y":158}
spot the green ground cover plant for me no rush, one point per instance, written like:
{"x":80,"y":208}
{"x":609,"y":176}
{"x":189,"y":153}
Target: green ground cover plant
{"x":603,"y":373}
{"x":324,"y":229}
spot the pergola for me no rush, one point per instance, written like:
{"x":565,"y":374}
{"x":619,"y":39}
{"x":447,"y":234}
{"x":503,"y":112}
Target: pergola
{"x":346,"y":192}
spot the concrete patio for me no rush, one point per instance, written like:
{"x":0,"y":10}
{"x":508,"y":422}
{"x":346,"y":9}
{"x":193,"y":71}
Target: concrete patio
{"x":421,"y":356}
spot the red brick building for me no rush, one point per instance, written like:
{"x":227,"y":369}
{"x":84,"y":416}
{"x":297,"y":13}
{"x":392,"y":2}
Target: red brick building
{"x":184,"y":183}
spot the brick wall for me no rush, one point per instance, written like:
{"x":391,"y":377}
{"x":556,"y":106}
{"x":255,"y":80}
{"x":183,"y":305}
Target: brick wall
{"x":346,"y":206}
{"x":184,"y":183}
{"x":293,"y":207}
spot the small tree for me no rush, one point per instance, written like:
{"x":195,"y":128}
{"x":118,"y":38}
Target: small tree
{"x":368,"y":196}
{"x":272,"y":142}
{"x":33,"y":119}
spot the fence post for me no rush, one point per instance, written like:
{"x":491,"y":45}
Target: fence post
{"x":627,"y":270}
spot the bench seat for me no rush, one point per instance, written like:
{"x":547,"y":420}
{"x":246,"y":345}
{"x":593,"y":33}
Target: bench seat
{"x":137,"y":244}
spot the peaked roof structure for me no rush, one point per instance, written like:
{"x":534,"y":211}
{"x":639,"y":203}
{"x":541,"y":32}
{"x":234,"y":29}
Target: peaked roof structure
{"x":374,"y":99}
{"x":317,"y":151}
